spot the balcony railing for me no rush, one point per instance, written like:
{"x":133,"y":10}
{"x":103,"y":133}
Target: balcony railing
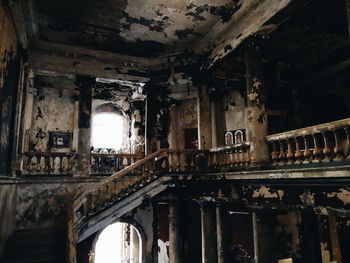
{"x":110,"y":163}
{"x":329,"y":142}
{"x":49,"y":163}
{"x":231,"y":157}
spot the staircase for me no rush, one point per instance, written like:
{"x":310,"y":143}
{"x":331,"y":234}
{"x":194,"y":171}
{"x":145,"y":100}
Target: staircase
{"x":44,"y":245}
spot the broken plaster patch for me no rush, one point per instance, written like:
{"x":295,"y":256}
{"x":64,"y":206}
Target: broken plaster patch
{"x":343,"y":195}
{"x":266,"y":193}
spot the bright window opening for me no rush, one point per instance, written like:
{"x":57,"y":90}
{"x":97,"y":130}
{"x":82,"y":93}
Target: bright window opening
{"x":107,"y":130}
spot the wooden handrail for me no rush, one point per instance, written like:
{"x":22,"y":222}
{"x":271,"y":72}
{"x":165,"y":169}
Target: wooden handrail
{"x":117,"y":175}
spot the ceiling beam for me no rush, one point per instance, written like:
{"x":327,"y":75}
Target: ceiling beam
{"x":248,"y":20}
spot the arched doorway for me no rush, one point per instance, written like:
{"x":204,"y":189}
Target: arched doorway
{"x":118,"y":243}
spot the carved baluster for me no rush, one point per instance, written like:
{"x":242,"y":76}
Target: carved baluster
{"x":238,"y":156}
{"x":327,"y":151}
{"x":338,"y":149}
{"x":275,"y":153}
{"x":228,"y":158}
{"x":290,"y":154}
{"x":347,"y":151}
{"x":317,"y":153}
{"x":307,"y":153}
{"x":47,"y":164}
{"x":178,"y":153}
{"x":298,"y":154}
{"x":282,"y":155}
{"x":214,"y":160}
{"x":231,"y":158}
{"x":248,"y":159}
{"x":60,"y":158}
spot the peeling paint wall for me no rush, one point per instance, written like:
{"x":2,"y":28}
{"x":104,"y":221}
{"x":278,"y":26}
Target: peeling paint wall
{"x":44,"y":204}
{"x":234,"y":108}
{"x":53,"y":110}
{"x":183,"y":116}
{"x":9,"y":74}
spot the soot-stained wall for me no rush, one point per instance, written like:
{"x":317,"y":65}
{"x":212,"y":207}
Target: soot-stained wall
{"x":9,"y":74}
{"x":183,"y":116}
{"x":53,"y":110}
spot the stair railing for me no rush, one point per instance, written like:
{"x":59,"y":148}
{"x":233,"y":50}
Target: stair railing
{"x":116,"y":186}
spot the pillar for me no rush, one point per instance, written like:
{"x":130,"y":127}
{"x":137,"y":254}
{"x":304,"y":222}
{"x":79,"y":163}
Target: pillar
{"x":204,"y":118}
{"x":134,"y":246}
{"x":174,"y":234}
{"x":347,"y":6}
{"x":151,"y":120}
{"x":85,"y":85}
{"x":208,"y":229}
{"x":221,"y":228}
{"x":28,"y":111}
{"x":257,"y":124}
{"x":75,"y":140}
{"x":214,"y":136}
{"x":334,"y":236}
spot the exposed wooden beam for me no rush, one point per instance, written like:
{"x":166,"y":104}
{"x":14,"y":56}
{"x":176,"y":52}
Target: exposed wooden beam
{"x":249,"y":19}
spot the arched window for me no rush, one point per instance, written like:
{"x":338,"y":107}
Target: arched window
{"x":118,"y":243}
{"x":107,"y":130}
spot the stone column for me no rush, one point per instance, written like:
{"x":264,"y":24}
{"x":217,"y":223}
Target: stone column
{"x":221,"y":228}
{"x":214,"y":136}
{"x":27,"y":119}
{"x":174,"y":234}
{"x":85,"y":85}
{"x":204,"y":118}
{"x":257,"y":125}
{"x":347,"y":3}
{"x":151,"y":119}
{"x":208,"y":226}
{"x":134,"y":246}
{"x":75,"y":141}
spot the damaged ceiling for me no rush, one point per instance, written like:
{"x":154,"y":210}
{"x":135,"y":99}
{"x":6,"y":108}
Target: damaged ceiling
{"x":144,"y":28}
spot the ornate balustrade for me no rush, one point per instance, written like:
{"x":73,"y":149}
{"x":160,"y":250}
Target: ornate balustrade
{"x":49,"y":163}
{"x":329,"y":142}
{"x":120,"y":184}
{"x":230,"y":157}
{"x":110,"y":163}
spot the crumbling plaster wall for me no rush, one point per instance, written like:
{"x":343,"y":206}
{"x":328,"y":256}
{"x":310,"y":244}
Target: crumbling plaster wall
{"x":231,"y":114}
{"x":44,"y":204}
{"x":183,"y":116}
{"x":9,"y":71}
{"x":53,"y":110}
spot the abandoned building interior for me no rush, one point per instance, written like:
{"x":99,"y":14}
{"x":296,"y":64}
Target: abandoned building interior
{"x":183,"y":131}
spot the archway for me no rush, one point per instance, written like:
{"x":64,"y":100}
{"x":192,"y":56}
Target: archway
{"x":118,"y":243}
